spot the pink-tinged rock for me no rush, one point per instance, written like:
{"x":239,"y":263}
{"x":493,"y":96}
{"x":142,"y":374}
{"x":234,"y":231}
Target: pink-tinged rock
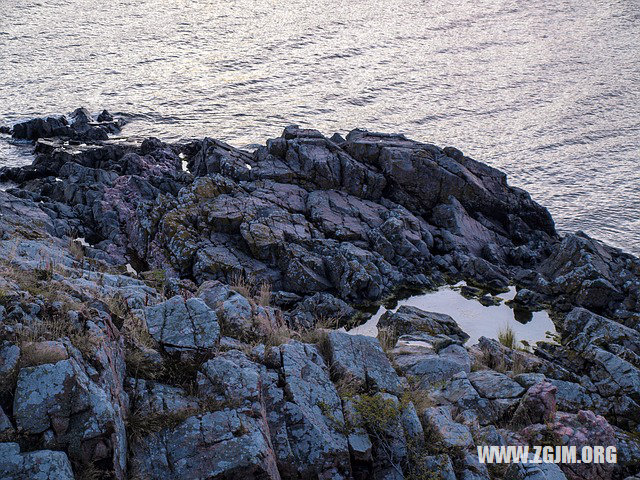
{"x":582,"y":429}
{"x":537,"y":406}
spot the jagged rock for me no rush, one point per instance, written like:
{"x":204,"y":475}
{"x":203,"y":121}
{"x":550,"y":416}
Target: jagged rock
{"x":37,"y":465}
{"x":493,"y":385}
{"x":582,"y":429}
{"x":222,"y":444}
{"x":582,"y":327}
{"x":63,"y":399}
{"x":305,"y":416}
{"x":230,"y":442}
{"x":497,"y":355}
{"x":537,"y":406}
{"x":409,"y":320}
{"x":149,"y":398}
{"x":232,"y":379}
{"x":238,"y":316}
{"x":628,"y":451}
{"x":182,"y":325}
{"x":447,"y":432}
{"x":41,"y":127}
{"x":533,"y":471}
{"x":586,"y":272}
{"x":80,"y":127}
{"x":359,"y":360}
{"x":321,"y":306}
{"x":420,"y":360}
{"x":527,"y":380}
{"x":472,"y":468}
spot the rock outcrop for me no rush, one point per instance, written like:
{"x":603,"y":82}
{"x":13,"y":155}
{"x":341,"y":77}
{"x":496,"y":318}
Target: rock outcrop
{"x":174,"y":311}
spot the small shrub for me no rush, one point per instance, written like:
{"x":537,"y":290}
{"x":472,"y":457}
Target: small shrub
{"x":418,"y":396}
{"x":240,"y":284}
{"x":277,"y":336}
{"x":154,"y":279}
{"x":376,"y":412}
{"x":507,"y":337}
{"x":76,"y":249}
{"x":264,"y":294}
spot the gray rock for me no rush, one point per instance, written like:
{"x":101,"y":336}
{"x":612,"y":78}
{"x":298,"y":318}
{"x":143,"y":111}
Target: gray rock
{"x":232,"y":379}
{"x":409,"y":320}
{"x":148,"y":398}
{"x":360,"y":359}
{"x":9,"y":356}
{"x":181,"y":325}
{"x":583,"y":328}
{"x":439,"y":465}
{"x":80,"y":413}
{"x":472,"y":469}
{"x":532,"y":471}
{"x":527,"y":380}
{"x":447,"y":432}
{"x":494,"y":385}
{"x":37,"y":465}
{"x":222,"y":444}
{"x":305,"y":416}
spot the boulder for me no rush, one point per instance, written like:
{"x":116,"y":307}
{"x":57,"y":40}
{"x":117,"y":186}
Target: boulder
{"x":36,"y":465}
{"x":183,"y":325}
{"x":305,"y":416}
{"x":360,"y":361}
{"x":410,"y":320}
{"x":445,"y":431}
{"x":80,"y":414}
{"x":494,"y":385}
{"x":221,"y":444}
{"x":537,"y":406}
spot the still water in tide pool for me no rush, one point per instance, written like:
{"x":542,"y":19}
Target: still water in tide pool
{"x":548,"y":91}
{"x":472,"y":317}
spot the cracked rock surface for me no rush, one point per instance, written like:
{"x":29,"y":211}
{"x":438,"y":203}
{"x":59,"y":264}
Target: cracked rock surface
{"x":162,"y":323}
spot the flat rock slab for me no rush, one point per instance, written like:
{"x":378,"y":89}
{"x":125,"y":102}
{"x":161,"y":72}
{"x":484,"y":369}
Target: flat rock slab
{"x":38,"y":465}
{"x":223,"y":444}
{"x":493,"y":385}
{"x":181,"y":325}
{"x":449,"y":433}
{"x":361,"y":359}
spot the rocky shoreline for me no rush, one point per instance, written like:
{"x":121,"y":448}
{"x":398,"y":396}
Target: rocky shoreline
{"x":172,"y":311}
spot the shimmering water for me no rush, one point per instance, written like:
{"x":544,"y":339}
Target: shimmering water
{"x":548,"y":91}
{"x":473,"y":318}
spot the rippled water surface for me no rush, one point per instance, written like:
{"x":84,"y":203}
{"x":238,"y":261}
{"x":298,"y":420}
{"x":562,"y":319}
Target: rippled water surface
{"x":548,"y":91}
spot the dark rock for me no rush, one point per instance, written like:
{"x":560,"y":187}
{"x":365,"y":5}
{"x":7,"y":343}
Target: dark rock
{"x":408,"y":320}
{"x":42,"y":127}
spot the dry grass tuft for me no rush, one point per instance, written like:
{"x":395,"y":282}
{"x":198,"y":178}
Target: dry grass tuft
{"x":507,"y":337}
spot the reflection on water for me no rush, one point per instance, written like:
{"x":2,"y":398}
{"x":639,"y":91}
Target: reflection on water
{"x":473,"y":317}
